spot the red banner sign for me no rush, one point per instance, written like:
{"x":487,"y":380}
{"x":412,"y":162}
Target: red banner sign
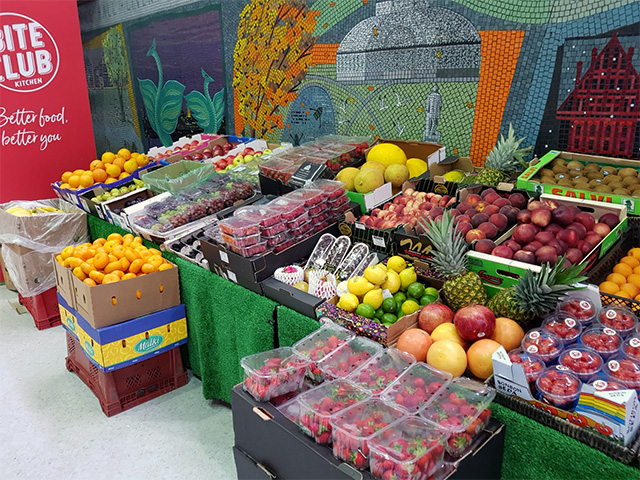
{"x":45,"y":120}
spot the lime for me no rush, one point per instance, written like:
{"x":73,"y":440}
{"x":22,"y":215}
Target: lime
{"x":389,"y":305}
{"x":389,"y":318}
{"x":409,"y":307}
{"x":415,"y":290}
{"x":427,"y":299}
{"x":366,"y":310}
{"x":399,"y":297}
{"x":398,"y":312}
{"x":431,"y":292}
{"x":379,"y":313}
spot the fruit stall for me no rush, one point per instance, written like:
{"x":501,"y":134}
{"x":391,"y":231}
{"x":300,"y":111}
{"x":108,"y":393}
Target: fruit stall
{"x":374,"y":317}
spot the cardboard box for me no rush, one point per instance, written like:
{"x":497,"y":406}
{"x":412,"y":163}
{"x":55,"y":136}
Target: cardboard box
{"x":429,"y":152}
{"x":28,"y":269}
{"x":251,"y":271}
{"x":262,"y":434}
{"x":371,"y":200}
{"x":104,"y":305}
{"x":613,"y":414}
{"x":499,"y":272}
{"x":5,"y":275}
{"x":121,"y":345}
{"x":442,"y":166}
{"x":525,"y":179}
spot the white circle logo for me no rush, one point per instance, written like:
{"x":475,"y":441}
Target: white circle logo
{"x":534,"y":335}
{"x":575,"y":354}
{"x":600,"y":384}
{"x":532,"y":349}
{"x":570,"y":322}
{"x":635,"y":342}
{"x":562,"y":368}
{"x":608,"y":331}
{"x":611,"y":314}
{"x":614,"y":366}
{"x":585,"y":305}
{"x":28,"y":53}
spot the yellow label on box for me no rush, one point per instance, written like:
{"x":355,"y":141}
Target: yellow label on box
{"x":129,"y":348}
{"x":69,"y":321}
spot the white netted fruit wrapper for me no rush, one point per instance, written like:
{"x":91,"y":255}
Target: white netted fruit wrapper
{"x":290,"y":274}
{"x":322,"y":284}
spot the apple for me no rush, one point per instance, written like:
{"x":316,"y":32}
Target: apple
{"x":432,"y":315}
{"x":248,"y":158}
{"x":474,"y":322}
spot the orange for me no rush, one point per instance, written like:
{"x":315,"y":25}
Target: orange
{"x":124,"y":263}
{"x":479,"y":357}
{"x":100,"y":260}
{"x":636,"y":270}
{"x":507,"y":333}
{"x":108,"y":246}
{"x":635,"y":279}
{"x":59,"y":259}
{"x":115,"y":237}
{"x":623,"y":269}
{"x":119,"y":273}
{"x":631,"y":289}
{"x":124,"y":153}
{"x":609,"y":287}
{"x":123,"y":175}
{"x":634,"y":252}
{"x":79,"y":273}
{"x":142,"y":160}
{"x":86,"y":268}
{"x":149,"y":268}
{"x":96,"y":276}
{"x":416,"y":342}
{"x":78,"y":172}
{"x":128,"y":237}
{"x":130,"y":166}
{"x":74,"y":181}
{"x":66,"y":252}
{"x":111,"y":180}
{"x":113,"y":171}
{"x":633,"y":262}
{"x":448,"y":356}
{"x":107,"y":157}
{"x":131,"y":254}
{"x":616,"y":278}
{"x":118,"y":251}
{"x":64,"y":186}
{"x":127,"y":276}
{"x":112,"y":258}
{"x":99,"y":175}
{"x":112,"y":267}
{"x":155,"y":251}
{"x":72,"y":262}
{"x":65,"y":176}
{"x":119,"y":161}
{"x":89,"y":282}
{"x":110,"y":278}
{"x":155,"y":260}
{"x":96,"y":164}
{"x":136,"y":265}
{"x":138,"y":240}
{"x":637,"y":298}
{"x":165,"y":266}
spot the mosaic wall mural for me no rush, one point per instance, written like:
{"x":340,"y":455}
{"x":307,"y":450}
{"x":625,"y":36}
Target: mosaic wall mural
{"x":451,"y":71}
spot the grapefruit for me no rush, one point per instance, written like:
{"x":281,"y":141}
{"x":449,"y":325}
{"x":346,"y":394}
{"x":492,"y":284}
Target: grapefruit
{"x":416,"y":342}
{"x":387,"y":154}
{"x":448,"y":331}
{"x":507,"y":333}
{"x":447,"y":356}
{"x":479,"y":357}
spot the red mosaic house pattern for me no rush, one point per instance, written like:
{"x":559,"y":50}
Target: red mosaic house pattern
{"x":603,"y":108}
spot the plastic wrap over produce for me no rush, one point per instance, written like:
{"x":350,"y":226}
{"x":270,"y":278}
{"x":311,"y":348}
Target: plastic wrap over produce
{"x":178,"y":177}
{"x":31,"y":232}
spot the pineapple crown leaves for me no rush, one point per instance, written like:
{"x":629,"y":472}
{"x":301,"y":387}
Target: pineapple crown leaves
{"x":449,"y":247}
{"x":506,"y":154}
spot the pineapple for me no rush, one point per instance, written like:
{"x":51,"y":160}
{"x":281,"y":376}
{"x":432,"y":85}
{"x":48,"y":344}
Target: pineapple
{"x":504,"y":159}
{"x":462,"y":287}
{"x":537,"y":293}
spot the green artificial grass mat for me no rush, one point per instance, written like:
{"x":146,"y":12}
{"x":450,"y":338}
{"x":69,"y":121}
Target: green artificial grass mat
{"x":536,"y":452}
{"x":292,"y":326}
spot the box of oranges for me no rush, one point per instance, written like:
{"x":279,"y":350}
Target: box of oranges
{"x":112,"y":169}
{"x":116,"y":279}
{"x":118,"y":346}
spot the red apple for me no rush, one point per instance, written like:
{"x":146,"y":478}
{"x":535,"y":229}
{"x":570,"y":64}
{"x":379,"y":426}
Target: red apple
{"x":602,"y":229}
{"x":484,"y":246}
{"x":474,"y":322}
{"x":432,"y":315}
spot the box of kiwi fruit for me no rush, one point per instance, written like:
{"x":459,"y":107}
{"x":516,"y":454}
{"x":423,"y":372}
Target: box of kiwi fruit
{"x":577,"y":175}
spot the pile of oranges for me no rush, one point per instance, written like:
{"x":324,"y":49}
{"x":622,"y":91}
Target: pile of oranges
{"x":625,"y":279}
{"x":111,"y":167}
{"x":112,"y":260}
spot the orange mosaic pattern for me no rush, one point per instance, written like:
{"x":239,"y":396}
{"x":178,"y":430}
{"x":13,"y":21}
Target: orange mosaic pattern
{"x":500,"y":51}
{"x":324,"y":53}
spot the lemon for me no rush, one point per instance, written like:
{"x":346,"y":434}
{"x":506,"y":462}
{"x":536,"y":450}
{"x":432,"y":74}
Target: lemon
{"x":376,"y":274}
{"x":409,"y":307}
{"x":348,"y":302}
{"x":387,"y":154}
{"x":454,"y":176}
{"x":373,"y":298}
{"x":396,"y":263}
{"x":393,"y":282}
{"x":347,"y":175}
{"x":359,"y":285}
{"x":407,"y":277}
{"x":304,"y":286}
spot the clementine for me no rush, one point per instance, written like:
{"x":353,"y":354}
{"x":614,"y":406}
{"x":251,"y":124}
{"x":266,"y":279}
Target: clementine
{"x":96,"y":164}
{"x":65,"y":176}
{"x":119,"y":161}
{"x":74,"y":181}
{"x":110,"y":278}
{"x":86,"y":180}
{"x":89,"y":282}
{"x":107,"y":157}
{"x":621,"y":268}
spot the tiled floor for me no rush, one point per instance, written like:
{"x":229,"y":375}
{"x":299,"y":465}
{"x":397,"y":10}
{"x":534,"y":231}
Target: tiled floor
{"x":51,"y":424}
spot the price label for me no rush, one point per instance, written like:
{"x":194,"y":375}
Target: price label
{"x":378,"y":241}
{"x":232,"y":276}
{"x":224,"y":257}
{"x":360,"y":226}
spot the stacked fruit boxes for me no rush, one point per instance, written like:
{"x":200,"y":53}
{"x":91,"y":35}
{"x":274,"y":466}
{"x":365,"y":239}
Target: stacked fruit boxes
{"x":123,"y":338}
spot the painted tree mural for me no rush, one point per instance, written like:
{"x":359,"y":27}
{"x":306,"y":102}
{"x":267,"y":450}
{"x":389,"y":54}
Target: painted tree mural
{"x":271,"y":58}
{"x":115,"y":59}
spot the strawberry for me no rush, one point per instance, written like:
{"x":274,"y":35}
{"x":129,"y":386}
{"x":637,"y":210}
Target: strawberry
{"x":359,"y":460}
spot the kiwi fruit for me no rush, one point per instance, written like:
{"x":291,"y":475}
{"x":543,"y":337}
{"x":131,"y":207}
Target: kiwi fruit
{"x":636,"y":194}
{"x":565,"y":182}
{"x":634,"y":188}
{"x":546,"y":171}
{"x":574,"y":165}
{"x":548,"y":180}
{"x":603,"y":189}
{"x":621,"y":191}
{"x":575,"y":173}
{"x":609,"y":179}
{"x":592,"y":167}
{"x":609,"y":171}
{"x":627,"y":172}
{"x":582,"y":186}
{"x":595,"y":182}
{"x":560,"y":176}
{"x":592,"y":175}
{"x":560,"y":169}
{"x":614,"y":185}
{"x":559,"y":161}
{"x":626,"y":181}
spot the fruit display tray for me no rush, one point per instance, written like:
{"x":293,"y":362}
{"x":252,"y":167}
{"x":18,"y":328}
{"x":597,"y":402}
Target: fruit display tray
{"x":605,"y":266}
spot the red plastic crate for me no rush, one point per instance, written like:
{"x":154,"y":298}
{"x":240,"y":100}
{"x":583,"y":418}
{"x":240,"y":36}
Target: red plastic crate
{"x":130,"y":386}
{"x":43,"y":308}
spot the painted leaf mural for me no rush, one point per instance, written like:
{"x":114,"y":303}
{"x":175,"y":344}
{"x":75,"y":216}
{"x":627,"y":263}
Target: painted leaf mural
{"x":163,"y":102}
{"x":207,"y":111}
